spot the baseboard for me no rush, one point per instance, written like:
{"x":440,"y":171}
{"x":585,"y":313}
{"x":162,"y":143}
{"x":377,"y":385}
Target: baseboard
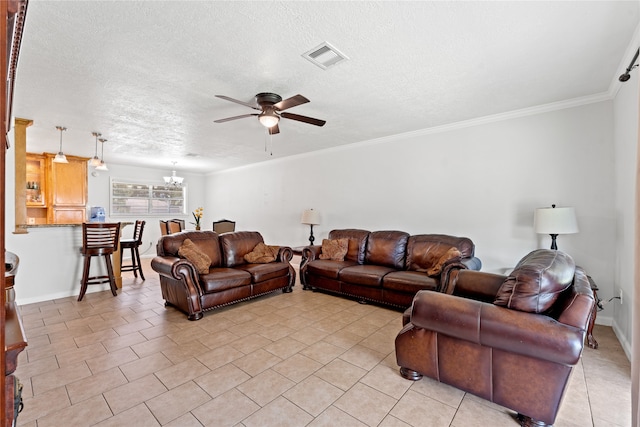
{"x":626,"y":345}
{"x":60,"y":295}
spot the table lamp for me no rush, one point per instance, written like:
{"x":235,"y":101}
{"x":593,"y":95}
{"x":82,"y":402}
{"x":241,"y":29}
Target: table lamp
{"x":554,"y":221}
{"x":310,"y":217}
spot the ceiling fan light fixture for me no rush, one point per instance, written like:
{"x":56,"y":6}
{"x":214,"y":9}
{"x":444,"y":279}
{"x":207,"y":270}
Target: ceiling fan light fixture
{"x":268,"y":119}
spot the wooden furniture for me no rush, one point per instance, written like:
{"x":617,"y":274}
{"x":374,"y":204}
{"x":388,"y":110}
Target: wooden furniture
{"x":133,"y":245}
{"x":99,"y":239}
{"x":56,"y":193}
{"x":67,"y":190}
{"x":176,"y":225}
{"x":12,"y":18}
{"x":591,"y":341}
{"x":224,"y":226}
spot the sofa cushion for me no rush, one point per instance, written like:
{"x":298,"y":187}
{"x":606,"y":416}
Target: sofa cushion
{"x":387,"y":248}
{"x":450,"y":254}
{"x":357,"y":242}
{"x":328,"y":268}
{"x":263,"y":272}
{"x":334,"y":250}
{"x":537,"y":281}
{"x":235,"y":245}
{"x":364,"y":275}
{"x":262,"y":254}
{"x":206,"y":241}
{"x":409,"y":281}
{"x":194,"y":255}
{"x":428,"y":252}
{"x":220,"y":279}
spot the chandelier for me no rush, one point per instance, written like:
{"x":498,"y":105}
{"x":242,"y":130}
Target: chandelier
{"x":173,"y":180}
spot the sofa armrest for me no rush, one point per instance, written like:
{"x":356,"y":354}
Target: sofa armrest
{"x":529,"y":334}
{"x":178,"y":269}
{"x":285,"y":254}
{"x":309,"y":253}
{"x":477,"y":285}
{"x":472,"y":263}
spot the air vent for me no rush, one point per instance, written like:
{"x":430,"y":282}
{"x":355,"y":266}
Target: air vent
{"x":325,"y":56}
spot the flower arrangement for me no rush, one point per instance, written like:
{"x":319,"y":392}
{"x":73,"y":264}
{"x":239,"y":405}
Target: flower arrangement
{"x":197,"y":215}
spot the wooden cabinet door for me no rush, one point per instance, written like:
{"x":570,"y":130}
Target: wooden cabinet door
{"x":69,"y":215}
{"x":66,"y":190}
{"x":69,"y":182}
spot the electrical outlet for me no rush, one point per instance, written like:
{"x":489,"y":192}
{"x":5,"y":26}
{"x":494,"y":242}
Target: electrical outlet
{"x":620,"y":294}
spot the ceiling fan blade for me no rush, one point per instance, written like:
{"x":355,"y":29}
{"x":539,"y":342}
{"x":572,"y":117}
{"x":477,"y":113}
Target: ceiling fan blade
{"x":274,"y":129}
{"x":228,"y":119}
{"x":304,"y":119}
{"x":238,"y":102}
{"x":290,"y":102}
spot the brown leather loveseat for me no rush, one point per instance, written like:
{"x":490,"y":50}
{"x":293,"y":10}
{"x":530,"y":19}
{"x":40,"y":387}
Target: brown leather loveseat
{"x":386,"y":267}
{"x":225,"y":277}
{"x":512,"y":340}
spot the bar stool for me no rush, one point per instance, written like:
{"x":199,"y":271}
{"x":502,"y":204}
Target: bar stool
{"x":99,"y":239}
{"x":133,"y":244}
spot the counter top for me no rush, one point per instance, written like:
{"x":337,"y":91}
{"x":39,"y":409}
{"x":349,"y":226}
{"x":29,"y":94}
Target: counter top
{"x":47,"y":225}
{"x":122,"y":224}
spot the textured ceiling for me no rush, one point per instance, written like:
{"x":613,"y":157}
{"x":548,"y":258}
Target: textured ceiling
{"x":144,"y":73}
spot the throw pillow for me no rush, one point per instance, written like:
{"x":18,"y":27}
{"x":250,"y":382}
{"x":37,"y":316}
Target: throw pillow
{"x":451,"y":253}
{"x":334,"y":250}
{"x":190,"y":251}
{"x":262,"y":254}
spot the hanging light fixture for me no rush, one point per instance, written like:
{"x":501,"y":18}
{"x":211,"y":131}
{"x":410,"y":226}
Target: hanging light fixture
{"x":268,"y":118}
{"x":60,"y":157}
{"x":102,"y":166}
{"x":95,"y":161}
{"x":173,"y":180}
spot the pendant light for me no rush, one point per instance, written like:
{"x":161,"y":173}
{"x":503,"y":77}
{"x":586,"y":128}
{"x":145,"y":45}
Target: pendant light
{"x":173,"y":180}
{"x":95,"y":161}
{"x":60,"y":157}
{"x":102,"y":166}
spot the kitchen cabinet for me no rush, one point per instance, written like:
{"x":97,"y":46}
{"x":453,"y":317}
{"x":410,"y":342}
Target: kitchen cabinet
{"x":67,"y":194}
{"x":56,"y":192}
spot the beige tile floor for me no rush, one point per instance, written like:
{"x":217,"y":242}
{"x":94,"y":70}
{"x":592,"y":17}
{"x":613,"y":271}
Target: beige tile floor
{"x":295,"y":359}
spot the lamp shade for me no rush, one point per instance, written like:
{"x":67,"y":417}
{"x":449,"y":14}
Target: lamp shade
{"x":555,"y":221}
{"x":311,"y":217}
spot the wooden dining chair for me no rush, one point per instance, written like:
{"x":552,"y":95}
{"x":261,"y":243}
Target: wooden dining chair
{"x":224,"y":226}
{"x":164,"y":227}
{"x":175,"y":225}
{"x":99,"y":239}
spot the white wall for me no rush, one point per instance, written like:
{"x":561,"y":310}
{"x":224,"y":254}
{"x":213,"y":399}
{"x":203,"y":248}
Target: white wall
{"x":626,"y":140}
{"x":50,"y":262}
{"x":482,"y":181}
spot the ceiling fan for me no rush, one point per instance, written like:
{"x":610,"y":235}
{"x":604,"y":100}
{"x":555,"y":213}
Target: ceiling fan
{"x":271,"y":107}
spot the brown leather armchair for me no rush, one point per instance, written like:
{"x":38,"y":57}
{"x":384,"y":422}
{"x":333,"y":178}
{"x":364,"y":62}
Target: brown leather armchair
{"x":512,"y":340}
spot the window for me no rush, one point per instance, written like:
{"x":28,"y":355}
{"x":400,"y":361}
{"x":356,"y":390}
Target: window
{"x":139,"y":199}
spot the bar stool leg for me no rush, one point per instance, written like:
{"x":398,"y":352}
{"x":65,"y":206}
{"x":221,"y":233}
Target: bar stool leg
{"x":133,"y":262}
{"x":85,"y":277}
{"x":139,"y":263}
{"x":112,"y":278}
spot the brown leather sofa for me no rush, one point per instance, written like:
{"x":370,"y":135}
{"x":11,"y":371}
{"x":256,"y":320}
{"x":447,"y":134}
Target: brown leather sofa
{"x":227,"y":280}
{"x":386,"y":267}
{"x":512,"y":340}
